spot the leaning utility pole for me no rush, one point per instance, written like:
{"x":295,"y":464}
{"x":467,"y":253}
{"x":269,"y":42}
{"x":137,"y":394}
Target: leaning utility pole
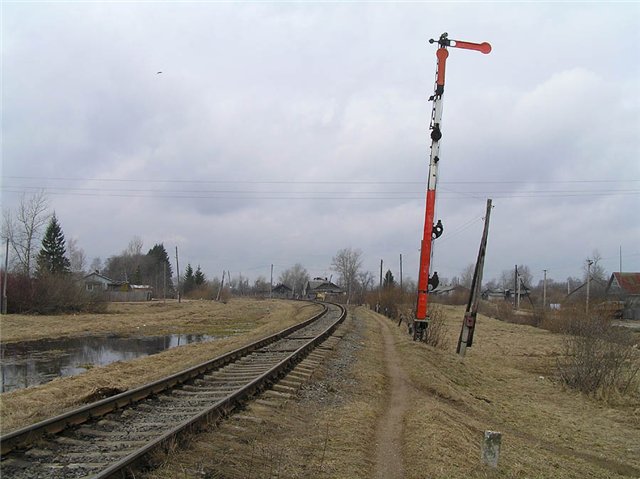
{"x":220,"y":287}
{"x":469,"y":323}
{"x":433,"y":231}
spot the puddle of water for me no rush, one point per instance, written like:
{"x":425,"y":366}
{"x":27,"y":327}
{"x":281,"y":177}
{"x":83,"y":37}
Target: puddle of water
{"x":30,"y":363}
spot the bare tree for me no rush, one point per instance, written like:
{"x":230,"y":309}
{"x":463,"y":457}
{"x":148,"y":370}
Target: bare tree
{"x":295,"y":277}
{"x":366,"y":280}
{"x":77,"y":257}
{"x":597,"y":270}
{"x":525,"y":274}
{"x":347,"y":263}
{"x":96,"y":264}
{"x":466,"y":277}
{"x":261,"y":286}
{"x":507,"y":277}
{"x":23,"y":229}
{"x":134,"y":248}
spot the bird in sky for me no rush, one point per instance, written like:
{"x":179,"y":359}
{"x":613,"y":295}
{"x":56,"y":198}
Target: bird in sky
{"x":158,"y":73}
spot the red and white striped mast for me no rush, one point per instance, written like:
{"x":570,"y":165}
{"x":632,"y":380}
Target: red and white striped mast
{"x":431,"y":230}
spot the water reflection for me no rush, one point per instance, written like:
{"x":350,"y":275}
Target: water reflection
{"x":30,"y":363}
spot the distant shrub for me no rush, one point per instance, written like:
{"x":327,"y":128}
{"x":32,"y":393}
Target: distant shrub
{"x":504,"y":311}
{"x":20,"y":291}
{"x":51,"y":294}
{"x":437,"y":330}
{"x":456,"y":298}
{"x":201,"y":292}
{"x":391,"y":301}
{"x":599,"y":358}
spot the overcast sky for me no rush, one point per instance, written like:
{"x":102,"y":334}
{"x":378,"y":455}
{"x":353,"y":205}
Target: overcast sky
{"x":281,"y":133}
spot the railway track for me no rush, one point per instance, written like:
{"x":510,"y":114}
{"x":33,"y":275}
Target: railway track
{"x":112,"y":437}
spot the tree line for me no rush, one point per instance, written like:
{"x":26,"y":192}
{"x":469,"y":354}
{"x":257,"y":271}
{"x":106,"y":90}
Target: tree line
{"x":39,"y":258}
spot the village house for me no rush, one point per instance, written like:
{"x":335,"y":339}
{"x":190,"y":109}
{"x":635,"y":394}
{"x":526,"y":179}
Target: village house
{"x":282,"y":291}
{"x":625,"y":288}
{"x":117,"y":291}
{"x":322,"y":289}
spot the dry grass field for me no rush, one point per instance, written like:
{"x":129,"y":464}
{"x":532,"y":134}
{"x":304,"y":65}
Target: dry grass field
{"x":506,"y":382}
{"x":253,"y":319}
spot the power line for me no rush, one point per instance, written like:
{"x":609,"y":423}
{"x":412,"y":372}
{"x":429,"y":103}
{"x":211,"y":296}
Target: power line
{"x":245,"y":191}
{"x":277,"y":195}
{"x":348,"y":182}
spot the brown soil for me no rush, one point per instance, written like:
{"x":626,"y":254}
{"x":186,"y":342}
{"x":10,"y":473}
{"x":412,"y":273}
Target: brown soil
{"x":389,"y":463}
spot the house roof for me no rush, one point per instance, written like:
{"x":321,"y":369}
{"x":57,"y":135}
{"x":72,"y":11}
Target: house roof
{"x":323,"y":285}
{"x":495,"y":291}
{"x":95,"y":274}
{"x":627,"y":282}
{"x":281,"y":287}
{"x":441,"y":289}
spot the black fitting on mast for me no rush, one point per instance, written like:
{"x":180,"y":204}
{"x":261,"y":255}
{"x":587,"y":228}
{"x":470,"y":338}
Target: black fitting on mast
{"x":437,"y":230}
{"x":436,"y":134}
{"x":443,"y":41}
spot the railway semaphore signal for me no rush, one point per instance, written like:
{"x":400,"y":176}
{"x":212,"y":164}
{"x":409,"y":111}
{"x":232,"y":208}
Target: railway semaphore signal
{"x":433,"y":231}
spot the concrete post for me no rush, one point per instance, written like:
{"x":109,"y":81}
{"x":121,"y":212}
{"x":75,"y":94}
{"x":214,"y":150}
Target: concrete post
{"x":491,"y":448}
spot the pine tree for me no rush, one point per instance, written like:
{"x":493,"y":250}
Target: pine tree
{"x":189,"y":280}
{"x":52,"y":257}
{"x":199,"y":277}
{"x":158,"y":263}
{"x":389,"y":280}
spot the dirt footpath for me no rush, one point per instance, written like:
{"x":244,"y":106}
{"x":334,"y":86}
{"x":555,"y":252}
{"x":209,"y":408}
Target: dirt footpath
{"x":389,"y":464}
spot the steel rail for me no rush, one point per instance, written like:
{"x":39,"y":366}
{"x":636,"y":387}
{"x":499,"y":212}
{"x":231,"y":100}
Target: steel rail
{"x":221,"y":408}
{"x":29,"y":434}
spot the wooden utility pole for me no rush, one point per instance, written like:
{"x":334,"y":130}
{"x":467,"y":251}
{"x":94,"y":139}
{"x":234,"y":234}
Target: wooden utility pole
{"x":401,"y":289}
{"x":516,"y":299}
{"x":621,"y":258}
{"x":271,"y":284}
{"x":469,"y":323}
{"x":178,"y":270}
{"x":221,"y":286}
{"x":589,"y":263}
{"x":544,"y":292}
{"x":3,"y":310}
{"x":380,"y":287}
{"x":164,"y":285}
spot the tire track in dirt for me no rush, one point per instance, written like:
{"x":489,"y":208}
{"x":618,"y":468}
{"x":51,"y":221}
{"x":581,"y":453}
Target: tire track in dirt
{"x":388,"y":462}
